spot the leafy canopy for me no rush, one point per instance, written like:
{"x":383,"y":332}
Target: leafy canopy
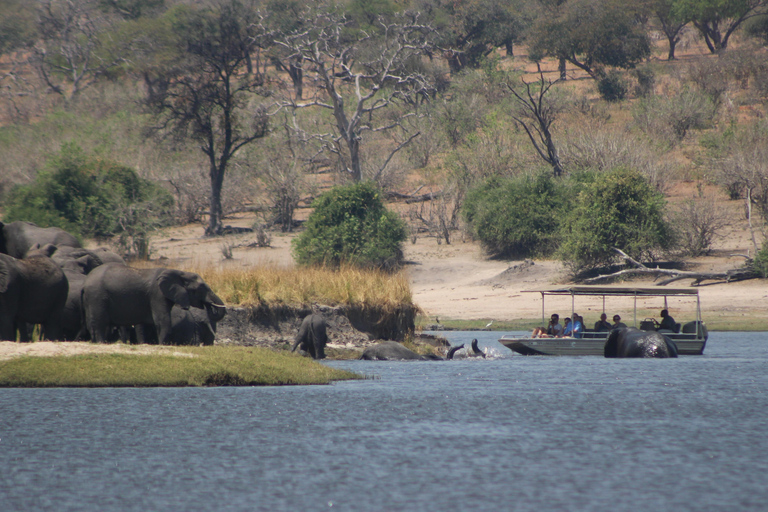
{"x":617,"y":209}
{"x":350,"y":225}
{"x":87,"y":196}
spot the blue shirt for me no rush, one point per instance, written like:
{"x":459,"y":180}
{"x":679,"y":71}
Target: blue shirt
{"x":574,"y":329}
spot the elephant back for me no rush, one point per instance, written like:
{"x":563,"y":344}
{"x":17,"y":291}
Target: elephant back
{"x":19,"y":237}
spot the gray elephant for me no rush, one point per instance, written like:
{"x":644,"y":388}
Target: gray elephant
{"x":312,"y":336}
{"x":33,"y":290}
{"x":115,"y":295}
{"x":85,"y":259}
{"x":392,"y":350}
{"x":188,"y":327}
{"x":631,"y":342}
{"x":16,"y":238}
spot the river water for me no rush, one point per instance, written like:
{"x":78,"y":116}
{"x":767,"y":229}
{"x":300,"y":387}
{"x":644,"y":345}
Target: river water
{"x":504,"y":433}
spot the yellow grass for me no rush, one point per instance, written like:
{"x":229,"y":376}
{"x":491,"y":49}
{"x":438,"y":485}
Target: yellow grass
{"x":307,"y":285}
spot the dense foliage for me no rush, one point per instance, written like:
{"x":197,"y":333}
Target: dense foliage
{"x":617,"y":209}
{"x":89,"y":197}
{"x":351,"y":225}
{"x":516,"y":217}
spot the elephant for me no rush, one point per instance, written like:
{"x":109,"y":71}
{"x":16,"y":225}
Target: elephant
{"x":392,"y":350}
{"x":116,"y":295}
{"x":79,"y":258}
{"x":475,"y":351}
{"x":631,"y":342}
{"x":188,"y":327}
{"x":72,"y":315}
{"x":33,"y":290}
{"x":312,"y":336}
{"x":16,"y":238}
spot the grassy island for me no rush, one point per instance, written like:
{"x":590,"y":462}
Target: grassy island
{"x":136,"y":366}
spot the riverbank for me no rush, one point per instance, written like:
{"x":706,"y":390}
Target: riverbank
{"x":78,"y":364}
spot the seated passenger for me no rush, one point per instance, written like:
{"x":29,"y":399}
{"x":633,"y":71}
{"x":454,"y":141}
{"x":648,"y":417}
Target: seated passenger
{"x":603,"y":325}
{"x":578,"y":326}
{"x":617,"y":323}
{"x":554,"y":328}
{"x":567,"y":329}
{"x":667,"y":322}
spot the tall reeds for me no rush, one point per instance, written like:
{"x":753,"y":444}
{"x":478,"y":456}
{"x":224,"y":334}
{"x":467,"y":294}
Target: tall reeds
{"x":306,"y":285}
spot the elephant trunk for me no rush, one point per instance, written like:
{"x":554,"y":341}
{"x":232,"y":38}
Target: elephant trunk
{"x":215,"y":312}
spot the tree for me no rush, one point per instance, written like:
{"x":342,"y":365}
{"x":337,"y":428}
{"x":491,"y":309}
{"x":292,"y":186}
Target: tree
{"x":350,"y":225}
{"x":535,"y":113}
{"x":590,"y":34}
{"x":717,"y":20}
{"x":517,"y":217}
{"x":671,"y":23}
{"x":617,"y":209}
{"x":359,"y":75}
{"x":70,"y":55}
{"x":211,"y":97}
{"x":471,"y":29}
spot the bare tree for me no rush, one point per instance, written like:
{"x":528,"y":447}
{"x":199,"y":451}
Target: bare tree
{"x":357,"y":75}
{"x":535,"y":113}
{"x":212,"y":98}
{"x":70,"y":55}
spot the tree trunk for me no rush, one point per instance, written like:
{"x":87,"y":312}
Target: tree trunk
{"x":215,"y":226}
{"x":353,"y":143}
{"x":561,"y":68}
{"x":296,"y":74}
{"x":672,"y":45}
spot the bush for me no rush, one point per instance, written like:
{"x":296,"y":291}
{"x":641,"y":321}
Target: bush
{"x":613,"y":87}
{"x":618,"y":209}
{"x":672,"y":117}
{"x":89,"y":197}
{"x":351,"y":225}
{"x":516,"y":217}
{"x":760,"y":263}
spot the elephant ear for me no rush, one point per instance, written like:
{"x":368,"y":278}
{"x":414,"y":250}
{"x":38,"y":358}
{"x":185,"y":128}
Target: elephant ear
{"x":172,"y":287}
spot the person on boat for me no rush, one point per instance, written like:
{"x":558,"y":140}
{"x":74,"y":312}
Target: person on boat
{"x":603,"y":325}
{"x":617,"y":323}
{"x":578,"y":326}
{"x":567,"y":328}
{"x":554,"y":329}
{"x":667,"y":322}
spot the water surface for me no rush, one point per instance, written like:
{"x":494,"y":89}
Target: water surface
{"x":505,"y":433}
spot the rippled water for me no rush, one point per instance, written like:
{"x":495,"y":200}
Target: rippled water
{"x":509,"y":433}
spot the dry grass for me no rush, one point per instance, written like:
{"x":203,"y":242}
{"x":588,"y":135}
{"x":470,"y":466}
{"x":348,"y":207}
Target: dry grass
{"x":303,"y":286}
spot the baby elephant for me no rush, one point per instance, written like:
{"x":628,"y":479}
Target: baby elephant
{"x":312,"y":337}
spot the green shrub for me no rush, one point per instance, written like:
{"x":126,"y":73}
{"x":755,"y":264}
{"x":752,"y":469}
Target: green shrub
{"x":618,"y":209}
{"x":351,"y":226}
{"x":516,"y":217}
{"x":613,"y":87}
{"x":89,"y":197}
{"x":760,"y":263}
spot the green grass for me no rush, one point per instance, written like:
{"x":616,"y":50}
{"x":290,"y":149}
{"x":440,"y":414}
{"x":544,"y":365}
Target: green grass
{"x":198,"y":366}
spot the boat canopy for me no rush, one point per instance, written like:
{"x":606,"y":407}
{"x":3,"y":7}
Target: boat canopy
{"x":630,"y":291}
{"x":616,"y":291}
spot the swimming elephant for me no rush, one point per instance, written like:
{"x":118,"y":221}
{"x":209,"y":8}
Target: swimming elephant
{"x":631,"y":342}
{"x":474,"y":351}
{"x":115,"y":295}
{"x":312,"y":336}
{"x":33,"y":290}
{"x":16,"y":238}
{"x":394,"y":351}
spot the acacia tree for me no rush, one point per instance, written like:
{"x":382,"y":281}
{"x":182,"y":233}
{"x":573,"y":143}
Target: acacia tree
{"x":671,"y":23}
{"x":210,"y":96}
{"x":590,"y":34}
{"x":717,"y":20}
{"x":359,"y":73}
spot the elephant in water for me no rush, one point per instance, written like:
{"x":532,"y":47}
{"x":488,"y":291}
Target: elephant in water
{"x":312,"y":336}
{"x":392,"y":350}
{"x":475,"y":351}
{"x":631,"y":342}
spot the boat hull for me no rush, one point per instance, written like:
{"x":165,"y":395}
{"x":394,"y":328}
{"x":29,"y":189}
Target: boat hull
{"x":584,"y":346}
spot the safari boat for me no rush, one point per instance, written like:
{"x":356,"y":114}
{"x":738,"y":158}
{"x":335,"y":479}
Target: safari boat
{"x":690,"y":337}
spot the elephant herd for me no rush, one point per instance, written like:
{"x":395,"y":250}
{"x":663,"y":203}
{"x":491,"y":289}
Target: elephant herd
{"x":48,"y":278}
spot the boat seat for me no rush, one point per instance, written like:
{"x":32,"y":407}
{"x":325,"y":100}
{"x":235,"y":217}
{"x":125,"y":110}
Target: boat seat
{"x":647,"y":325}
